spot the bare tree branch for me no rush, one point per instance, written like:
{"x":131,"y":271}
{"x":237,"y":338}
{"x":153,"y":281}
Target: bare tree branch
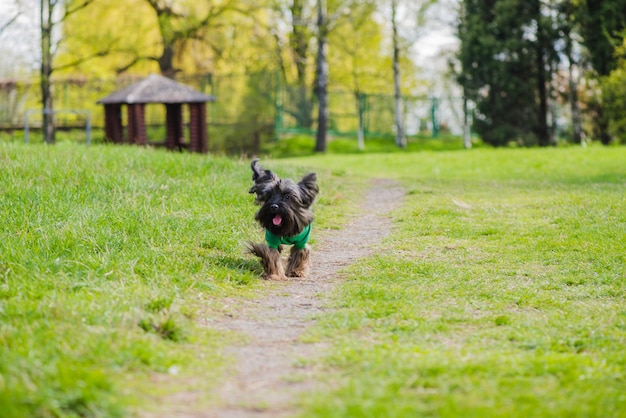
{"x":83,"y":59}
{"x":135,"y":60}
{"x":78,"y":7}
{"x":10,"y":22}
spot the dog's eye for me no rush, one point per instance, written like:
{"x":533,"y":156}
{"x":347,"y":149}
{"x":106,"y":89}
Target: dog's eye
{"x":287,"y":197}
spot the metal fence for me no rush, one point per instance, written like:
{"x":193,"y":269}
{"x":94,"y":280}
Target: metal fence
{"x":422,"y":115}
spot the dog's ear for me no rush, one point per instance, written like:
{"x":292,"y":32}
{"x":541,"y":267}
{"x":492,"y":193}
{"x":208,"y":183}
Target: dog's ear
{"x":262,"y":178}
{"x":256,"y":170}
{"x":308,"y":189}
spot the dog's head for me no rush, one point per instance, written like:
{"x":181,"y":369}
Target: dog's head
{"x":285,"y":206}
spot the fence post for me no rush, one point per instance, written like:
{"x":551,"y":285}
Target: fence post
{"x":360,"y":99}
{"x":433,"y":116}
{"x":88,"y":127}
{"x":26,"y":126}
{"x":87,"y":114}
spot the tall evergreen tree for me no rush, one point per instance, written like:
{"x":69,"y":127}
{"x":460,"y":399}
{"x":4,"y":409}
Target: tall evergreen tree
{"x":602,"y":24}
{"x":506,"y":49}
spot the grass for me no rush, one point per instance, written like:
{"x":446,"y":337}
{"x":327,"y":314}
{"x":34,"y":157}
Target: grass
{"x":111,"y":259}
{"x":302,"y":146}
{"x":499,"y":292}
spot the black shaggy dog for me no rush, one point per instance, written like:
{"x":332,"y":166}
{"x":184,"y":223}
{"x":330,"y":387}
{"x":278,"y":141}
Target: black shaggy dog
{"x":286,"y":216}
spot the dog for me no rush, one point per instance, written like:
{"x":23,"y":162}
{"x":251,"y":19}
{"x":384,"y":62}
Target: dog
{"x":286,"y":216}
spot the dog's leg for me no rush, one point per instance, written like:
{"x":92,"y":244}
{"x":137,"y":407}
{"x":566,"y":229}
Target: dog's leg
{"x":299,"y":262}
{"x":270,"y":260}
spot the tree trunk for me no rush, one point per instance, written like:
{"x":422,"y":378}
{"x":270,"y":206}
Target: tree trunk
{"x":577,"y":130}
{"x":166,"y":60}
{"x":321,"y":78}
{"x":299,"y":42}
{"x":46,"y":71}
{"x":467,"y":136}
{"x":399,"y":109}
{"x":542,"y":133}
{"x":169,"y":36}
{"x":542,"y":123}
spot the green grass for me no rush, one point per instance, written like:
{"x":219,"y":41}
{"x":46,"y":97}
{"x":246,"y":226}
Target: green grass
{"x":302,"y":146}
{"x":111,"y":260}
{"x":499,"y":293}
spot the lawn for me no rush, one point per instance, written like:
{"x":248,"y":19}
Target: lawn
{"x":111,"y":259}
{"x":500,"y":291}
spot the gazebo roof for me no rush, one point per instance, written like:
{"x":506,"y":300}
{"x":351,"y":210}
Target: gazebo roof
{"x":156,"y":89}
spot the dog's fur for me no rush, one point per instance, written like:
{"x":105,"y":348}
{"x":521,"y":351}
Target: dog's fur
{"x":285,"y":212}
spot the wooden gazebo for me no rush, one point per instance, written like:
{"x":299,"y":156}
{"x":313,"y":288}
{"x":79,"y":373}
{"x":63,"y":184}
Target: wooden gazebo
{"x":156,"y":89}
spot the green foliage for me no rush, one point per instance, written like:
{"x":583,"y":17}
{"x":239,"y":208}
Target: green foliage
{"x":614,"y":98}
{"x":356,"y":61}
{"x":255,"y":125}
{"x":499,"y":292}
{"x":503,"y":53}
{"x":104,"y":39}
{"x":602,"y":25}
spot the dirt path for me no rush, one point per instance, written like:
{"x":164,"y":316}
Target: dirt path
{"x":268,"y":376}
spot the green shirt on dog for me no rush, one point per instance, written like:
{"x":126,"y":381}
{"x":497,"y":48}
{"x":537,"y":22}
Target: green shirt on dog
{"x":299,"y":241}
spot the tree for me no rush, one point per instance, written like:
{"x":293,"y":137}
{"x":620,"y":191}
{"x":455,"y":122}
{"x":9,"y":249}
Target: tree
{"x":602,"y":24}
{"x":614,"y":97}
{"x":321,"y":77}
{"x":399,"y":110}
{"x":180,"y":22}
{"x":299,"y":46}
{"x":169,"y":36}
{"x":293,"y":50}
{"x":568,"y":32}
{"x":46,"y":13}
{"x":415,"y":12}
{"x":10,"y":19}
{"x":325,"y":25}
{"x":48,"y":10}
{"x":507,"y":47}
{"x":359,"y":40}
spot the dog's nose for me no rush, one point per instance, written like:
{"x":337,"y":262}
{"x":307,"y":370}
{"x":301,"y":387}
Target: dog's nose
{"x":274,"y":207}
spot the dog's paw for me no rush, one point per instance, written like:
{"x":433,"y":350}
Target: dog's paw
{"x":275,"y":277}
{"x":296,"y":273}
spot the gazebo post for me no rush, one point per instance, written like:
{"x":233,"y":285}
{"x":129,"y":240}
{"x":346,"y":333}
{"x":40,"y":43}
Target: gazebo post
{"x":204,"y":138}
{"x":197,"y":128}
{"x":137,"y":124}
{"x":174,"y":126}
{"x":113,"y":123}
{"x":130,"y":129}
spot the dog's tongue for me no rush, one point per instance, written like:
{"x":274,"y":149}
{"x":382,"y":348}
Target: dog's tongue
{"x":277,"y":220}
